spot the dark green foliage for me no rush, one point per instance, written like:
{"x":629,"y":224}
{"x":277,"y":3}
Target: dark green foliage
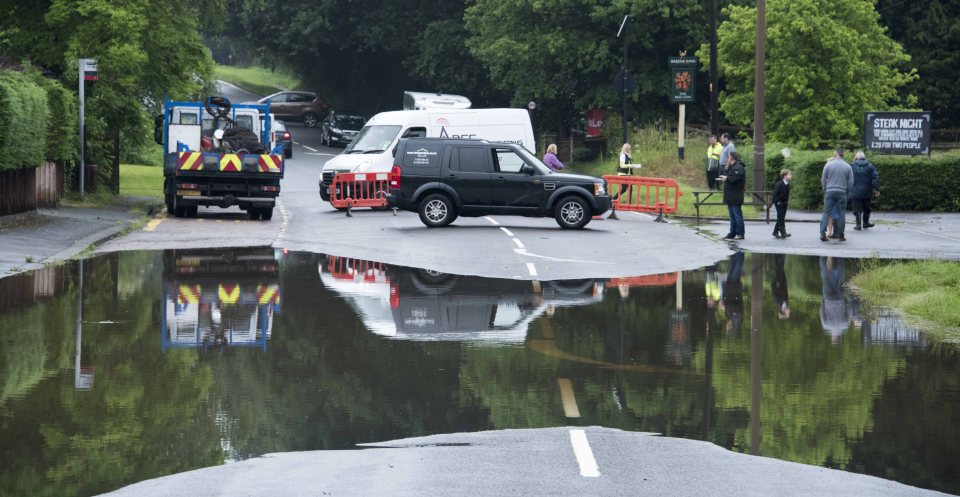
{"x":23,"y":118}
{"x":582,"y":154}
{"x":62,"y":134}
{"x":907,"y":183}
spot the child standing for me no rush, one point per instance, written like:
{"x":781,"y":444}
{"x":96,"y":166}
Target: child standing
{"x":781,"y":196}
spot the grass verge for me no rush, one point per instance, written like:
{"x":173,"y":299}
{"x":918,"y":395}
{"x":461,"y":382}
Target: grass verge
{"x":135,"y":181}
{"x":257,"y":80}
{"x":926,"y":291}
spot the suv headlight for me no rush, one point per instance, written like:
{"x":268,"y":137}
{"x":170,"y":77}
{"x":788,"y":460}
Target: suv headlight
{"x":599,"y":189}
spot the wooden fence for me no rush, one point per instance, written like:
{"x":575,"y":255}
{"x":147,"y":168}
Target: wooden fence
{"x":25,"y":189}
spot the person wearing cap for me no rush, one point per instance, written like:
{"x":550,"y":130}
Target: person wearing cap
{"x":837,"y":183}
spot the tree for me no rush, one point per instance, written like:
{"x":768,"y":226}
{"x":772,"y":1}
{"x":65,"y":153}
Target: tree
{"x":828,"y":62}
{"x":930,"y":33}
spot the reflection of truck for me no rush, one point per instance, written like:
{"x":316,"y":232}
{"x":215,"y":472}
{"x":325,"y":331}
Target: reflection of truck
{"x":219,"y":154}
{"x":416,"y":304}
{"x":219,"y":298}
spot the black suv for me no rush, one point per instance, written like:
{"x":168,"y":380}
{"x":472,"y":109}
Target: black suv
{"x":442,"y":179}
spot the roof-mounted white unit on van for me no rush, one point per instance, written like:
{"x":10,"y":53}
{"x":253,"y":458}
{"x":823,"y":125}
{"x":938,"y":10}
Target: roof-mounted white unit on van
{"x":413,"y":100}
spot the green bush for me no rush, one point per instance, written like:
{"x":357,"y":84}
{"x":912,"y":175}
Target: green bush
{"x":23,"y":121}
{"x":583,"y":154}
{"x":62,"y":126}
{"x":907,"y":183}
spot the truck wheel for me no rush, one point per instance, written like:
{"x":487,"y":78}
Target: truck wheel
{"x":191,"y":211}
{"x":169,"y":204}
{"x":266,"y":213}
{"x":311,"y":120}
{"x":572,"y":213}
{"x":253,"y":213}
{"x":437,"y":210}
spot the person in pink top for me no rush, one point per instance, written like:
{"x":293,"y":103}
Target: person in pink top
{"x":550,"y":158}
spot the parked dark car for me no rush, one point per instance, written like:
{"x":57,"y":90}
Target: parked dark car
{"x":442,"y":179}
{"x":341,"y":128}
{"x":298,"y":105}
{"x":283,"y":137}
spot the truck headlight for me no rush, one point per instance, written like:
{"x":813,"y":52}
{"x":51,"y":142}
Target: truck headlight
{"x":599,"y":189}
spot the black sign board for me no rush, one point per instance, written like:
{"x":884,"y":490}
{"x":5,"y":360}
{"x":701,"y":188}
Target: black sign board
{"x":900,"y":133}
{"x":624,"y":83}
{"x":683,"y":78}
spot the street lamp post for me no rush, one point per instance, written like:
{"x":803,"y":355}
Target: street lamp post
{"x":624,"y":74}
{"x":714,"y":79}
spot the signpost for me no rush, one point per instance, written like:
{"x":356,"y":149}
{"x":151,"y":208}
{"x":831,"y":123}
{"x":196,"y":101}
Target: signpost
{"x":898,"y":133}
{"x":624,"y":82}
{"x":87,"y":69}
{"x":683,"y":78}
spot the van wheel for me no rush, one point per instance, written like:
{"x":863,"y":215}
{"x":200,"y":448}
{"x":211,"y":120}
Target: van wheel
{"x":572,"y":213}
{"x":437,"y":210}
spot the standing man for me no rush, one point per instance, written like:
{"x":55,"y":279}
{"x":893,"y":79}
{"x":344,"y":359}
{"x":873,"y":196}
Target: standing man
{"x":734,"y":178}
{"x":866,"y":184}
{"x":714,"y":150}
{"x":837,"y":183}
{"x":727,"y":148}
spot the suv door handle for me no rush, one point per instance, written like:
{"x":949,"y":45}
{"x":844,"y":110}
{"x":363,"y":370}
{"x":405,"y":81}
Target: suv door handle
{"x":451,"y":175}
{"x":501,"y":178}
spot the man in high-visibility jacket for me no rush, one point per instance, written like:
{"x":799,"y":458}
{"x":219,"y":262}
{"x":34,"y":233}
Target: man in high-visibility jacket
{"x":714,"y":150}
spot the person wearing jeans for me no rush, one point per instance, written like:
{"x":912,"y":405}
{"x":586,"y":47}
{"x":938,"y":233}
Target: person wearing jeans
{"x":734,"y":179}
{"x":837,"y":182}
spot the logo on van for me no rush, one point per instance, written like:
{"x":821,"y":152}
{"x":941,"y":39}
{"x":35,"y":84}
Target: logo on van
{"x":442,"y":121}
{"x":422,"y":157}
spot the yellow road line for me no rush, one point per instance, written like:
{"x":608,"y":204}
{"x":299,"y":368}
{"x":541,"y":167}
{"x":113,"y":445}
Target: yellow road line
{"x":570,"y":408}
{"x":152,"y":224}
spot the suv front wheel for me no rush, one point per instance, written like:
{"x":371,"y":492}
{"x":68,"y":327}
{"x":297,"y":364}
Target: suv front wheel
{"x":572,"y":212}
{"x":437,"y":210}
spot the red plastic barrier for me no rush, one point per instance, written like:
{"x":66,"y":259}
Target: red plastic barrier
{"x":664,"y":279}
{"x":639,"y":194}
{"x":350,"y":190}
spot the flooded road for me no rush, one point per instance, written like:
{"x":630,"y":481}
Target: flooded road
{"x":134,"y":365}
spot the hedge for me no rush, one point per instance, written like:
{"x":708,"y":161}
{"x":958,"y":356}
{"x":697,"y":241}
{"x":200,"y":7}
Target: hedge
{"x":907,"y":183}
{"x":23,"y":121}
{"x":62,"y":132}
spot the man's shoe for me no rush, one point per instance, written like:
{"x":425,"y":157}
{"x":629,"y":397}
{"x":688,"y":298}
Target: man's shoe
{"x":869,"y":225}
{"x":856,"y":228}
{"x":776,"y":235}
{"x":823,"y":238}
{"x":728,"y":237}
{"x":738,"y":237}
{"x":841,"y":239}
{"x":785,"y":235}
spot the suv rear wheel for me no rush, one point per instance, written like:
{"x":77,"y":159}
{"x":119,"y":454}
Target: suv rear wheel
{"x":437,"y":210}
{"x":572,"y":212}
{"x":311,"y":119}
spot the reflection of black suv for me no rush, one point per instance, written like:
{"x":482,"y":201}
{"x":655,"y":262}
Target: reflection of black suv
{"x":442,"y":179}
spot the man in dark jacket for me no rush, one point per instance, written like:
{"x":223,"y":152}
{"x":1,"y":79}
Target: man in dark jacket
{"x":781,"y":196}
{"x":866,"y":184}
{"x":734,"y":179}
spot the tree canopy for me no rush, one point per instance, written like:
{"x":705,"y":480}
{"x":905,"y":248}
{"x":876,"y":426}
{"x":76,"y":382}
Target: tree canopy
{"x":827,"y":62}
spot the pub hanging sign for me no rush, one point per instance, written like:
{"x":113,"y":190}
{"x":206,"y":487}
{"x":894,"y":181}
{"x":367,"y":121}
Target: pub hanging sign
{"x":683,"y":79}
{"x":897,"y":133}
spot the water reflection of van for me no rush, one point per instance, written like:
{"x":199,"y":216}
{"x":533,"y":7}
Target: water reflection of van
{"x":216,"y":298}
{"x":416,"y":304}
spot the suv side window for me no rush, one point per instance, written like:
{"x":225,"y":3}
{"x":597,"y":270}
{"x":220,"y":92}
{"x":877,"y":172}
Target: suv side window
{"x":300,"y":97}
{"x":507,"y":161}
{"x":472,"y":159}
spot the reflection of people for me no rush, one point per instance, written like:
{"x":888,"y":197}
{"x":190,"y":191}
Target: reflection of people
{"x":779,"y":288}
{"x":733,"y":293}
{"x":551,"y":159}
{"x":835,"y":312}
{"x":712,"y":289}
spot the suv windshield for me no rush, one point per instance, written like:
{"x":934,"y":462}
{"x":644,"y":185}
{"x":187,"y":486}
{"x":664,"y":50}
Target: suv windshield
{"x":534,"y":161}
{"x":348,"y":122}
{"x":373,"y":139}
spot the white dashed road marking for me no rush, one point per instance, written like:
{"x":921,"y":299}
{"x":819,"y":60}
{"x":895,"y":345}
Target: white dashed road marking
{"x":557,"y":259}
{"x":581,"y":449}
{"x":319,"y":153}
{"x":505,"y":230}
{"x":492,"y":220}
{"x":519,"y":244}
{"x":310,"y":148}
{"x":531,"y":269}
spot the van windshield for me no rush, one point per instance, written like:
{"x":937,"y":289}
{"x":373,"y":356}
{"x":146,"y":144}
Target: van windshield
{"x":373,"y":139}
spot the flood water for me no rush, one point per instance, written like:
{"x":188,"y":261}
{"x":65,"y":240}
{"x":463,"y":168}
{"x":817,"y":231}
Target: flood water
{"x":130,"y":366}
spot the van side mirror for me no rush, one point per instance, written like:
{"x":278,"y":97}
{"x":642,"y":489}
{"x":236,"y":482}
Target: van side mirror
{"x":158,"y":129}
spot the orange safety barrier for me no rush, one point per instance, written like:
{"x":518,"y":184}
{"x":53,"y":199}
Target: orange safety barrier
{"x":663,"y":279}
{"x":349,"y":190}
{"x":640,"y":194}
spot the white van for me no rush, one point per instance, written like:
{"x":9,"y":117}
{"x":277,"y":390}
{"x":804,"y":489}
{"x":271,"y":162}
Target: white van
{"x":372,"y":150}
{"x":413,"y":100}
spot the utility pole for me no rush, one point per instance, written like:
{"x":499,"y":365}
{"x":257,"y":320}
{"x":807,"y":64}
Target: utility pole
{"x":758,"y":101}
{"x":624,"y":74}
{"x":82,"y":137}
{"x":714,"y":77}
